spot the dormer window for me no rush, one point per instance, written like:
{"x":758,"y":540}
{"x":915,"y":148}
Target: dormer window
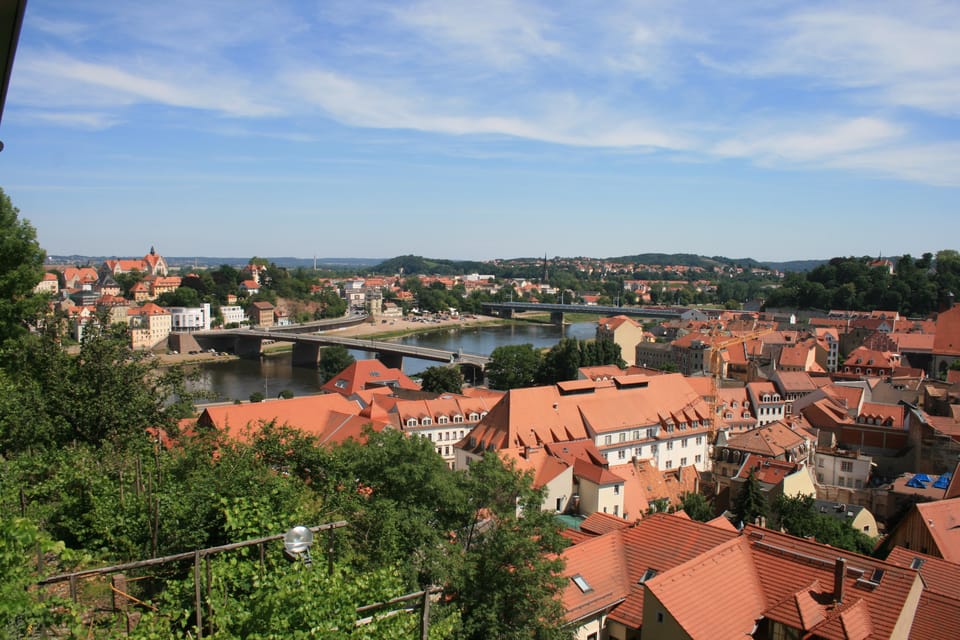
{"x":458,"y":419}
{"x":442,"y":420}
{"x":482,"y":414}
{"x":474,"y":417}
{"x":411,"y":422}
{"x":426,"y":422}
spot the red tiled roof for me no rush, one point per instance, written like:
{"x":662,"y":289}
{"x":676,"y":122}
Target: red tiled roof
{"x":736,"y":597}
{"x":363,"y":374}
{"x":329,"y":417}
{"x":947,"y":340}
{"x":942,"y":521}
{"x":599,"y":523}
{"x":773,"y":440}
{"x":621,"y":558}
{"x":939,"y":575}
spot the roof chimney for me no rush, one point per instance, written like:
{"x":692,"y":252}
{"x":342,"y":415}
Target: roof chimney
{"x":839,"y":572}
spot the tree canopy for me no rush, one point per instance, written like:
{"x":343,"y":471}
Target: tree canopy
{"x":21,"y":269}
{"x":442,"y":380}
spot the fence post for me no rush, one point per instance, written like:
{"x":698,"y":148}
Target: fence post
{"x":425,"y":616}
{"x":196,"y":592}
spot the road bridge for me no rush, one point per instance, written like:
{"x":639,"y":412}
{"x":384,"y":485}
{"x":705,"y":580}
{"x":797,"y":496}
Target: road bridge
{"x":307,"y":346}
{"x":556,"y":311}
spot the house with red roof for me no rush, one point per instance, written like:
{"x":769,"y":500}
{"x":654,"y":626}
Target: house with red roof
{"x":658,"y":417}
{"x":331,"y":418}
{"x":624,"y":332}
{"x":150,"y":325}
{"x":369,"y":374}
{"x":152,"y":264}
{"x":670,"y":577}
{"x":939,"y":606}
{"x":865,"y":363}
{"x":932,"y":528}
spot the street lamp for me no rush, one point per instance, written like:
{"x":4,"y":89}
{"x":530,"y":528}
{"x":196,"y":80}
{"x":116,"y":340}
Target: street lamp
{"x":297,"y":542}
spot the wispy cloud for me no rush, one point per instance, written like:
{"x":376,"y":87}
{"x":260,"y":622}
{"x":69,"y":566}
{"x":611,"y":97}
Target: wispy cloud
{"x":124,"y":87}
{"x":816,"y":141}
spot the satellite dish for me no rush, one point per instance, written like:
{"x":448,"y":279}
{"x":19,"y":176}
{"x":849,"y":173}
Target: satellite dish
{"x":298,"y":540}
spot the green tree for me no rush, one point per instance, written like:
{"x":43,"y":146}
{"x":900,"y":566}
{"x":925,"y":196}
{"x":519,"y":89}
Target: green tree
{"x":180,"y":297}
{"x":442,"y":380}
{"x":561,"y":362}
{"x":21,"y":268}
{"x":22,"y":610}
{"x":512,"y":578}
{"x":106,"y":391}
{"x":333,"y":360}
{"x":750,"y":503}
{"x":799,"y":517}
{"x":513,"y":366}
{"x":697,"y":507}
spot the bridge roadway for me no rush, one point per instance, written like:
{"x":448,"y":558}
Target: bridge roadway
{"x":507,"y":309}
{"x":249,"y":342}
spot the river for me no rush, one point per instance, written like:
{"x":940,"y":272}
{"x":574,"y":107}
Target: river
{"x":237,"y":379}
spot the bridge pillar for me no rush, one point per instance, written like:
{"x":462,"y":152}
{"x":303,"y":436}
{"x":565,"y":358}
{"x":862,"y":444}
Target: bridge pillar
{"x":556,"y":317}
{"x":248,"y":347}
{"x":391,"y":360}
{"x":506,"y":313}
{"x":305,"y":354}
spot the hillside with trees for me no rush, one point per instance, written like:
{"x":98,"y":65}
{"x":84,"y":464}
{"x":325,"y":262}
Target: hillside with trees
{"x":918,"y":286}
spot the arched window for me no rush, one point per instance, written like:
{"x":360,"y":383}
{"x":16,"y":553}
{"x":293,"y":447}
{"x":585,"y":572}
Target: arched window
{"x":442,"y":420}
{"x":411,"y":422}
{"x":426,"y":422}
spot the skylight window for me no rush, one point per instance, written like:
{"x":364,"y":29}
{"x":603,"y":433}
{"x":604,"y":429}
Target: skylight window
{"x":581,"y":583}
{"x":647,"y":575}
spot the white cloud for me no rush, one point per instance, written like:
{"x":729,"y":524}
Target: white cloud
{"x":561,"y":121}
{"x":81,"y":82}
{"x":906,"y":58}
{"x":936,"y":164}
{"x":811,"y":142}
{"x":501,"y":32}
{"x":89,"y":120}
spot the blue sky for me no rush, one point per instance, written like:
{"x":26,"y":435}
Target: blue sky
{"x":495,"y":129}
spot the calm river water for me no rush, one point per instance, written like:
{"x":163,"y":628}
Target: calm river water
{"x":237,"y":379}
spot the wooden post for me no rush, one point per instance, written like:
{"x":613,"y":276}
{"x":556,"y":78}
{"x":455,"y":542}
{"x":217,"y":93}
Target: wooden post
{"x":263,"y":559}
{"x":73,"y":588}
{"x":196,"y":592}
{"x":209,"y":599}
{"x":120,"y":604}
{"x":425,"y":616}
{"x":330,"y":549}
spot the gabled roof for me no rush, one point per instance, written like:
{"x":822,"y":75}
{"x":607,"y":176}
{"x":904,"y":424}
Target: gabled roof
{"x":331,"y":418}
{"x":942,"y":521}
{"x":615,"y":322}
{"x":728,"y":574}
{"x":772,"y":440}
{"x":939,"y":575}
{"x":581,"y":409}
{"x":947,"y":340}
{"x":767,"y":470}
{"x":599,"y":523}
{"x":364,"y":374}
{"x":652,"y":546}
